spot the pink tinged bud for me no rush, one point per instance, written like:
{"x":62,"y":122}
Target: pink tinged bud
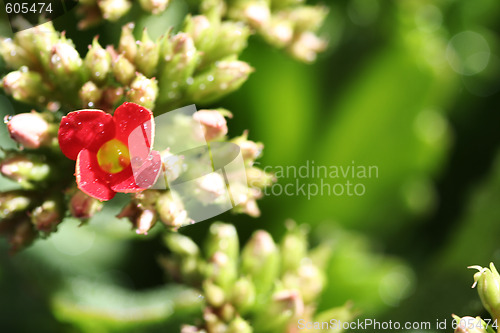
{"x":29,"y":129}
{"x":65,"y":59}
{"x":25,"y":86}
{"x":211,"y":188}
{"x":24,"y":170}
{"x":257,"y":14}
{"x":290,"y":300}
{"x":83,"y":206}
{"x":47,"y":216}
{"x":171,"y":211}
{"x":213,"y":122}
{"x":112,"y":10}
{"x":145,"y":221}
{"x":154,"y":6}
{"x":279,"y":32}
{"x":143,"y":91}
{"x":469,"y":324}
{"x":306,"y":46}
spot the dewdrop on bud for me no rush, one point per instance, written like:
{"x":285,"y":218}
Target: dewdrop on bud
{"x":25,"y":86}
{"x":148,"y":54}
{"x":143,"y":91}
{"x":24,"y":170}
{"x":488,"y":288}
{"x":171,"y":211}
{"x":306,"y":46}
{"x":127,"y":44}
{"x":123,"y":70}
{"x":223,"y":78}
{"x":47,"y":216}
{"x":83,"y":206}
{"x":65,"y":62}
{"x":98,"y":62}
{"x":112,"y":10}
{"x":213,"y":122}
{"x":90,"y":95}
{"x":14,"y":55}
{"x":29,"y":130}
{"x":154,"y":6}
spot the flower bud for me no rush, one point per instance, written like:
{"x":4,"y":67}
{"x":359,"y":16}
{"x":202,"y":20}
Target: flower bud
{"x":171,"y":211}
{"x":255,"y":12}
{"x":306,"y":46}
{"x":258,"y":178}
{"x":293,"y":248}
{"x":127,"y":44}
{"x":201,"y":31}
{"x":123,"y":70}
{"x":65,"y":65}
{"x":29,"y":129}
{"x":181,"y":245}
{"x":145,"y":221}
{"x":24,"y":170}
{"x":47,"y":216}
{"x":83,"y":206}
{"x":215,"y":9}
{"x":110,"y":97}
{"x":90,"y":95}
{"x":260,"y":260}
{"x":14,"y":55}
{"x":112,"y":10}
{"x":25,"y":86}
{"x":231,"y":38}
{"x":143,"y":91}
{"x":222,"y":270}
{"x":212,"y":322}
{"x":250,"y":150}
{"x":22,"y":236}
{"x":154,"y":6}
{"x":488,"y":288}
{"x":211,"y":189}
{"x":469,"y":324}
{"x":213,"y":122}
{"x":239,"y":325}
{"x":13,"y":202}
{"x":223,"y":238}
{"x":148,"y":54}
{"x":308,"y":18}
{"x":181,"y":59}
{"x":173,"y":165}
{"x":279,"y":31}
{"x":284,"y":306}
{"x":243,"y":295}
{"x":214,"y":294}
{"x":98,"y":62}
{"x":39,"y":41}
{"x":221,"y":79}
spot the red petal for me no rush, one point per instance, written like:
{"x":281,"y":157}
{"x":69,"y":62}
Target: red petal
{"x":138,"y":178}
{"x":130,"y":116}
{"x":85,"y":129}
{"x":90,"y":177}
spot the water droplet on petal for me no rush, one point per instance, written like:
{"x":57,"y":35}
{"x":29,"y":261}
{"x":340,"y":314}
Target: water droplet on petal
{"x":7,"y":118}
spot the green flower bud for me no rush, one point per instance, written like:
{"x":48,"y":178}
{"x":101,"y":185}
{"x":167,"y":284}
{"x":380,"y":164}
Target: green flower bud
{"x":306,"y":46}
{"x":214,"y":9}
{"x":47,"y":216}
{"x":181,"y":245}
{"x":123,"y":70}
{"x":221,"y":79}
{"x":308,"y":279}
{"x":171,"y":211}
{"x":260,"y":261}
{"x":127,"y":44}
{"x":29,"y":130}
{"x":14,"y":55}
{"x":214,"y":294}
{"x":38,"y":42}
{"x":143,"y":91}
{"x":148,"y":54}
{"x":201,"y":31}
{"x":223,"y":238}
{"x":112,"y":10}
{"x":258,"y":178}
{"x":284,"y":306}
{"x":98,"y":62}
{"x":90,"y":95}
{"x":308,"y":18}
{"x":469,"y":324}
{"x":222,"y":270}
{"x":111,"y":96}
{"x":181,"y":59}
{"x":488,"y":288}
{"x":231,"y":38}
{"x":25,"y":86}
{"x":66,"y":65}
{"x":293,"y":247}
{"x":154,"y":6}
{"x":25,"y":170}
{"x":239,"y":325}
{"x":83,"y":206}
{"x":243,"y":295}
{"x":342,"y":313}
{"x":12,"y":203}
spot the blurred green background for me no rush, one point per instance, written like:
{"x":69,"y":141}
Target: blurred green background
{"x":411,"y":87}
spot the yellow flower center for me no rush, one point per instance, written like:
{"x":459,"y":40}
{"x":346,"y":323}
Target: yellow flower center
{"x":113,"y":156}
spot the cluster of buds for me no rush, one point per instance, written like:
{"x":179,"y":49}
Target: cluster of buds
{"x":288,"y":24}
{"x":265,"y":288}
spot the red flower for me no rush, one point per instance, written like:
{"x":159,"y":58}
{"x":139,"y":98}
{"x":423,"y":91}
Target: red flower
{"x":112,"y":153}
